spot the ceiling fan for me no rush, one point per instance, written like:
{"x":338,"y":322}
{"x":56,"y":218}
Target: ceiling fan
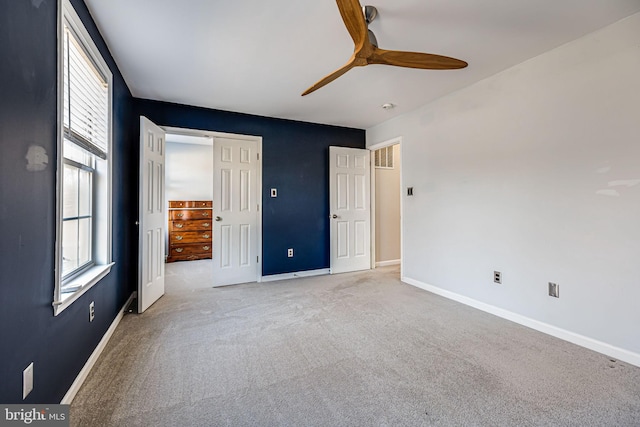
{"x":356,"y":18}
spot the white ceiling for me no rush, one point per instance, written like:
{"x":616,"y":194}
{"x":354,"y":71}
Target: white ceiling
{"x":257,"y":56}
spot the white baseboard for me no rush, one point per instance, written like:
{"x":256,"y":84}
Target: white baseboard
{"x":296,"y":275}
{"x":386,"y":263}
{"x":84,"y":373}
{"x":581,"y":340}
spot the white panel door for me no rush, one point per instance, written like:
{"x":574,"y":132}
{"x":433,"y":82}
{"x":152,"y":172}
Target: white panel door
{"x":151,"y":214}
{"x":235,"y":210}
{"x":349,"y":209}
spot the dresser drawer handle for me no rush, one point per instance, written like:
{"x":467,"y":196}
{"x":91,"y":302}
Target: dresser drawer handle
{"x":179,"y":237}
{"x":206,"y":248}
{"x":206,"y":224}
{"x":206,"y":236}
{"x":204,"y":203}
{"x":180,"y":215}
{"x":178,"y":225}
{"x":178,"y":250}
{"x":205,"y":213}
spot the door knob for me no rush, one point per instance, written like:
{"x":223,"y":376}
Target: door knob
{"x":334,"y":216}
{"x":218,"y":218}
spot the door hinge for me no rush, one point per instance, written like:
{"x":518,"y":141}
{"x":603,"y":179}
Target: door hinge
{"x":258,"y":208}
{"x":258,"y":156}
{"x":257,"y":259}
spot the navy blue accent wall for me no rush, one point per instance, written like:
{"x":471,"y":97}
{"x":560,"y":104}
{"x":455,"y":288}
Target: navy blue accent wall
{"x":295,"y":161}
{"x":58,"y":346}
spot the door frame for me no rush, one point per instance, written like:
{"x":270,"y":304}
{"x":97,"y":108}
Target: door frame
{"x":372,"y":148}
{"x":258,"y":140}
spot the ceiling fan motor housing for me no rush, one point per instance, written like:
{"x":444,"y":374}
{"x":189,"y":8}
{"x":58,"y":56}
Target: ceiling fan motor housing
{"x":370,"y":13}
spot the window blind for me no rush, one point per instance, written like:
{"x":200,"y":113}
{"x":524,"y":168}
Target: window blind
{"x":86,"y":104}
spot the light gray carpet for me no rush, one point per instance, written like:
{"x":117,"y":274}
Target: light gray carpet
{"x":357,"y":349}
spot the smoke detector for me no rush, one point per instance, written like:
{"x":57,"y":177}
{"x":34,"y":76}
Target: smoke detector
{"x":388,"y":106}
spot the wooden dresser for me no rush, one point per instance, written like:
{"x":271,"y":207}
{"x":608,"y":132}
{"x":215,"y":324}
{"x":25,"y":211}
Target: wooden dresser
{"x":190,"y":231}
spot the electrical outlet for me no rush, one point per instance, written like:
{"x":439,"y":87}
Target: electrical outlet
{"x":27,"y":381}
{"x":554,"y":290}
{"x":290,"y":252}
{"x":497,"y":277}
{"x":92,"y":311}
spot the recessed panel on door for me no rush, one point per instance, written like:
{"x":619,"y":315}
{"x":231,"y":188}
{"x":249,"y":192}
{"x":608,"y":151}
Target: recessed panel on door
{"x":159,"y":261}
{"x":225,"y":243}
{"x":148,"y":279}
{"x":149,"y":187}
{"x":226,"y":155}
{"x":245,"y":237}
{"x":343,"y":239}
{"x":360,"y":238}
{"x":245,"y":155}
{"x":359,"y":192}
{"x":225,"y":190}
{"x":245,"y":189}
{"x":159,"y":205}
{"x":342,"y":191}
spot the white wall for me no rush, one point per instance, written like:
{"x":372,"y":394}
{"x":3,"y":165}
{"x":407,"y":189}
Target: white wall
{"x":388,"y":210}
{"x":189,"y":172}
{"x":534,"y":172}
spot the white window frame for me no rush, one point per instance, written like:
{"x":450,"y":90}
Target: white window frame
{"x":102,"y":234}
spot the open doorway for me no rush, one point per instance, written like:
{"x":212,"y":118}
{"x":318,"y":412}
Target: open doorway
{"x":189,"y":196}
{"x":387,"y":203}
{"x":213,"y":188}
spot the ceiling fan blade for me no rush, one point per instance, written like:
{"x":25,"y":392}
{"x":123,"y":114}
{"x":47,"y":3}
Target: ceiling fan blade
{"x":426,"y":61}
{"x":353,"y":18}
{"x":331,"y":77}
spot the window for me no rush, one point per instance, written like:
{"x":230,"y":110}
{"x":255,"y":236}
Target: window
{"x":83,"y":253}
{"x":384,"y":157}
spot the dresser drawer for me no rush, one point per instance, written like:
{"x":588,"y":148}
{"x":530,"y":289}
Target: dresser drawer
{"x":190,"y":214}
{"x":190,"y":236}
{"x":190,"y":204}
{"x":189,"y":225}
{"x":178,"y":251}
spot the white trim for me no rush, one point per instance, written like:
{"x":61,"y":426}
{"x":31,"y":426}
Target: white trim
{"x":373,"y":147}
{"x":258,"y":139}
{"x":387,"y":263}
{"x":572,"y":337}
{"x":372,"y":201}
{"x":86,"y":280}
{"x":296,"y":275}
{"x":392,"y":141}
{"x":103,"y":256}
{"x":86,"y":369}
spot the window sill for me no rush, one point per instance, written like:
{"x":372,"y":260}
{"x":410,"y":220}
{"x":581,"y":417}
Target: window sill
{"x":84,"y":282}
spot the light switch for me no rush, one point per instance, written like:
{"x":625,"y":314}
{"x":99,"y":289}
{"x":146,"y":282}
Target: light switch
{"x":274,"y":192}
